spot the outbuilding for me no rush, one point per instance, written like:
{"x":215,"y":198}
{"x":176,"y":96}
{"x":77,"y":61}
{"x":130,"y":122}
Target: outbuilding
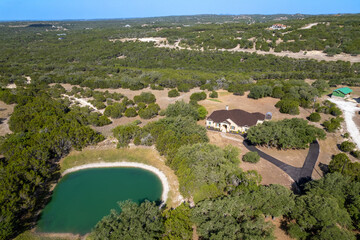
{"x":342,"y":92}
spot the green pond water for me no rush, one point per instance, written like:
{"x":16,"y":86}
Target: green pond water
{"x":83,"y":198}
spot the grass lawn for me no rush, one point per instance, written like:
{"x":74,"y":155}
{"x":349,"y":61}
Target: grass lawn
{"x":29,"y":235}
{"x":76,"y":158}
{"x":214,"y":100}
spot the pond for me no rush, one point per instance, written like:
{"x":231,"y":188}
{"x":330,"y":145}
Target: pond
{"x":83,"y":198}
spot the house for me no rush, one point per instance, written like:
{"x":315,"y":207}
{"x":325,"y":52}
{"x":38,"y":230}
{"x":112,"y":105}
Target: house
{"x":235,"y":120}
{"x":278,"y":26}
{"x":342,"y":92}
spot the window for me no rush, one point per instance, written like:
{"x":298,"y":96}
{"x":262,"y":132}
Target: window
{"x":232,"y":128}
{"x":217,"y":125}
{"x":209,"y":122}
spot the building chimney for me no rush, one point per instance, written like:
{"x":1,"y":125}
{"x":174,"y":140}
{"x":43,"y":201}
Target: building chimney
{"x":227,"y":107}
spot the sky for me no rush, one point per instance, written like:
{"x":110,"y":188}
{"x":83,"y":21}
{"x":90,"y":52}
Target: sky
{"x":100,"y":9}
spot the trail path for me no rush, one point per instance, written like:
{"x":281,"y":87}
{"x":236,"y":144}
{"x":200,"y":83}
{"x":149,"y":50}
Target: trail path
{"x":83,"y":103}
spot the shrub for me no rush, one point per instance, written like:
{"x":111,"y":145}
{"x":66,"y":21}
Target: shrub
{"x":180,"y":108}
{"x":198,"y":96}
{"x":213,"y":94}
{"x":260,"y":91}
{"x":145,"y":97}
{"x":137,"y":140}
{"x":184,"y":87}
{"x":335,"y":111}
{"x":202,"y":112}
{"x":347,"y":146}
{"x":173,"y":93}
{"x":130,"y":112}
{"x":333,"y":124}
{"x":115,"y":110}
{"x":98,"y":104}
{"x":252,"y":157}
{"x":149,"y":112}
{"x":315,"y":117}
{"x":346,"y":135}
{"x":355,"y":154}
{"x":140,"y":105}
{"x":288,"y":106}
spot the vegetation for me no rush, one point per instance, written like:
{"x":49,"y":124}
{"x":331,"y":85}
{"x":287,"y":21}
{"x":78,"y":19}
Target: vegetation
{"x":285,"y":134}
{"x":197,"y":168}
{"x":44,"y":130}
{"x":173,"y":93}
{"x":228,"y":203}
{"x":180,"y":108}
{"x":252,"y":157}
{"x":342,"y":164}
{"x":213,"y":94}
{"x":315,"y":117}
{"x":198,"y":96}
{"x":328,"y":107}
{"x":134,"y":222}
{"x":333,"y":124}
{"x":347,"y":146}
{"x":328,"y":209}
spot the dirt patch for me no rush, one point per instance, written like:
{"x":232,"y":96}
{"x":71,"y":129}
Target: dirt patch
{"x":308,"y":26}
{"x":279,"y":233}
{"x":5,"y":112}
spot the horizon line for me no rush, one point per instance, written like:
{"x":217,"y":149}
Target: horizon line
{"x":204,"y":14}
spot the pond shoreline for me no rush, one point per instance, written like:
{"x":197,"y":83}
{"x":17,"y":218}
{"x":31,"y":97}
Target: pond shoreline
{"x":152,"y":169}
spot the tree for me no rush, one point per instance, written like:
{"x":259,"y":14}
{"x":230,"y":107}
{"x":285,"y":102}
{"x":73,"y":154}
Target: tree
{"x":213,"y":94}
{"x":145,"y":97}
{"x":197,"y":168}
{"x":347,"y":146}
{"x":342,"y":164}
{"x":130,"y":112}
{"x":202,"y":112}
{"x":173,"y":93}
{"x":252,"y":157}
{"x":115,"y":110}
{"x":184,"y":87}
{"x":333,"y":124}
{"x":151,"y":111}
{"x":315,"y":213}
{"x":125,"y":133}
{"x":315,"y":117}
{"x":144,"y":221}
{"x":260,"y":91}
{"x":321,"y":85}
{"x":198,"y":96}
{"x":180,"y":108}
{"x":288,"y":106}
{"x":230,"y":218}
{"x":285,"y":134}
{"x":178,"y":224}
{"x":274,"y":200}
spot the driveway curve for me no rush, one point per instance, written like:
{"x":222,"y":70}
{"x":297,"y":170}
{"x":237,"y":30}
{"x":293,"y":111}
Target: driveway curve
{"x":295,"y":173}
